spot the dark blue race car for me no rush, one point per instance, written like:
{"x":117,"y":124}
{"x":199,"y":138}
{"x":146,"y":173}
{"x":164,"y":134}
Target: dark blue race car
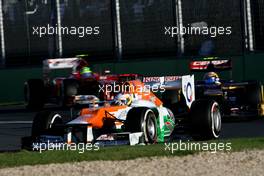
{"x":241,"y":99}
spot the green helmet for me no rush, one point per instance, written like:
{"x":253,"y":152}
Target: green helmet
{"x":85,"y":72}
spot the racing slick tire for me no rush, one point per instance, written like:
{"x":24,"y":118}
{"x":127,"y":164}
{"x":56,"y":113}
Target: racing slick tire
{"x":253,"y":94}
{"x":142,"y":120}
{"x":46,"y":123}
{"x":69,"y":89}
{"x":34,"y":91}
{"x":206,"y":120}
{"x":254,"y":98}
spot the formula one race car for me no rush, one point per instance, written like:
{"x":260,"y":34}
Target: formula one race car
{"x":143,"y":112}
{"x":61,"y":90}
{"x":236,"y":99}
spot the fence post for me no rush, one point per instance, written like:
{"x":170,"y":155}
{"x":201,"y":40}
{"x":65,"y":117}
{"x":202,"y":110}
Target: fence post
{"x":179,"y":19}
{"x":249,"y":25}
{"x":3,"y":58}
{"x":58,"y":8}
{"x":117,"y":29}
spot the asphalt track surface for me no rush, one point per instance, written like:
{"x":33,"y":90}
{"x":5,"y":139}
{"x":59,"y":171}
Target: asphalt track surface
{"x":16,"y":121}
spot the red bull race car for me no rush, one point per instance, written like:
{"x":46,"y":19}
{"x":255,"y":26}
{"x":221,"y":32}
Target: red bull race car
{"x":236,"y":99}
{"x":61,"y":90}
{"x":142,"y":112}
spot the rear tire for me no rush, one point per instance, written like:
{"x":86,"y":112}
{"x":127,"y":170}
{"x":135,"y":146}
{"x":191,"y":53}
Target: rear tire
{"x":205,"y":120}
{"x":45,"y":123}
{"x":253,"y":99}
{"x":142,"y":120}
{"x":34,"y":92}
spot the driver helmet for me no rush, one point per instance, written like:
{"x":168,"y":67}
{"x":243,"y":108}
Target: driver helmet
{"x":211,"y":78}
{"x":123,"y":99}
{"x":86,"y":72}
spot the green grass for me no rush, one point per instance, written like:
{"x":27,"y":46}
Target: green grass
{"x":111,"y":153}
{"x":246,"y":144}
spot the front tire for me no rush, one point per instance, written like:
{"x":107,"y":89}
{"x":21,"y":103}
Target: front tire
{"x":142,"y":120}
{"x":46,"y":123}
{"x":205,"y":120}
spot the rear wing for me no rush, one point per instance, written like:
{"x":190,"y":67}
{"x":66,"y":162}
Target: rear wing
{"x":65,"y":63}
{"x":61,"y":64}
{"x":184,"y":83}
{"x":167,"y":82}
{"x":211,"y":65}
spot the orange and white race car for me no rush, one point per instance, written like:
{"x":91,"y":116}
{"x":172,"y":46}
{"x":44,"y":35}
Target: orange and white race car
{"x":142,"y":112}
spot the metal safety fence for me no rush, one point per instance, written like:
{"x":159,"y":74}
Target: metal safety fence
{"x":33,"y":30}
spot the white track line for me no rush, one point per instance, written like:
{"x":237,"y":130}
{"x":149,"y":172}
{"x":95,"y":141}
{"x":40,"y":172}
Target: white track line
{"x":15,"y":122}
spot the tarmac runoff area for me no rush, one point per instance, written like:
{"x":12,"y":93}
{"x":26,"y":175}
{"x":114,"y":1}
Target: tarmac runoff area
{"x":218,"y":164}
